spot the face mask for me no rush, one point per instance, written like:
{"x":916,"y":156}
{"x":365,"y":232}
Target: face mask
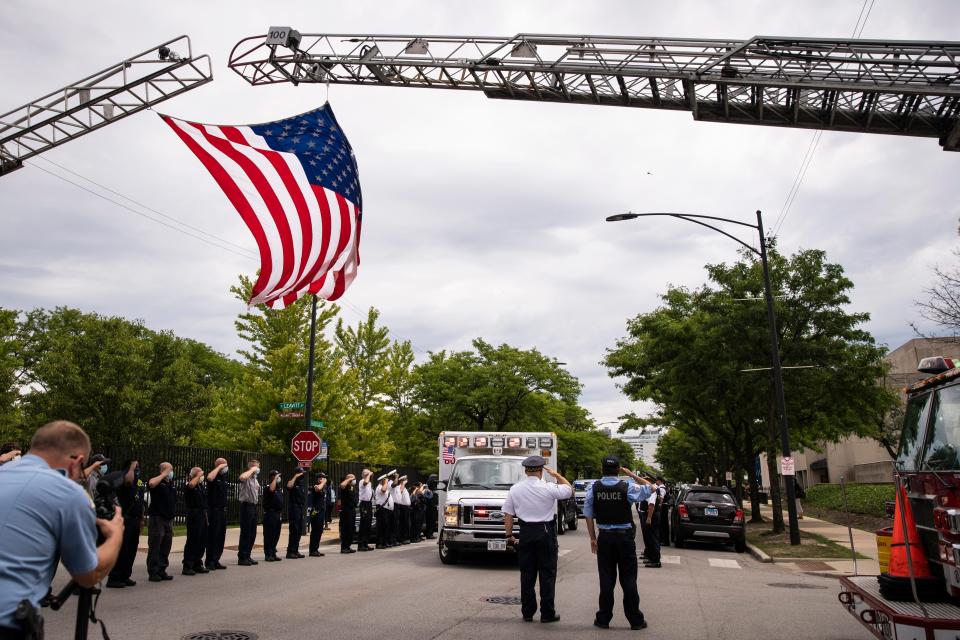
{"x":223,"y":471}
{"x":256,"y":471}
{"x":353,"y":482}
{"x":15,"y":458}
{"x":278,"y":479}
{"x":170,"y":476}
{"x":103,"y":468}
{"x":136,"y":474}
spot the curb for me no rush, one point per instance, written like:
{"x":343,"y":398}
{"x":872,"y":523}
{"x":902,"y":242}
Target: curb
{"x":757,"y":554}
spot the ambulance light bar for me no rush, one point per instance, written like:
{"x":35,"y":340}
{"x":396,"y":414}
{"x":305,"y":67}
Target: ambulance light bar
{"x":480,"y":441}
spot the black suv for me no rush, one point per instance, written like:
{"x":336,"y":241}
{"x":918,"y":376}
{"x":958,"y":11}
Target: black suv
{"x":708,"y":514}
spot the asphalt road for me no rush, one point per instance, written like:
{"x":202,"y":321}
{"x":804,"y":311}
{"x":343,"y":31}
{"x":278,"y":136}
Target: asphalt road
{"x":395,"y":594}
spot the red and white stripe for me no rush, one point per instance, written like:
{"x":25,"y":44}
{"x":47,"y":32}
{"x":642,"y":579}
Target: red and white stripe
{"x":308,"y":236}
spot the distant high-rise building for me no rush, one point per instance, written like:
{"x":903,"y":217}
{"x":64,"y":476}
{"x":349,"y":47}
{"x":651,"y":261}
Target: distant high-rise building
{"x":644,"y":443}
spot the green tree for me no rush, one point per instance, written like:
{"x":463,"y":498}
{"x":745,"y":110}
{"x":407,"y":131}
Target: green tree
{"x":690,"y":357}
{"x":11,"y":372}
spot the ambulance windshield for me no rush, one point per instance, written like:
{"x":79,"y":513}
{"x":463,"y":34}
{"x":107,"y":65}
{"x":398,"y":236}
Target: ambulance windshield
{"x":486,"y":474}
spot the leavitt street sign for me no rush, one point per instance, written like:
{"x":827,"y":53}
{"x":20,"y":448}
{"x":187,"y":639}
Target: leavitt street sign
{"x":290,"y":406}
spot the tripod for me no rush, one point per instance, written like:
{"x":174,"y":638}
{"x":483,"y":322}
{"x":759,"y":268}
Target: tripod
{"x":85,"y":611}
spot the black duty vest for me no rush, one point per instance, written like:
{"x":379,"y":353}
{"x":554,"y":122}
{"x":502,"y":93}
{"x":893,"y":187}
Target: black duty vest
{"x":610,"y":504}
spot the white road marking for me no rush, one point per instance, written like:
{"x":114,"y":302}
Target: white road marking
{"x":725,"y":564}
{"x":563,"y":552}
{"x":670,"y":559}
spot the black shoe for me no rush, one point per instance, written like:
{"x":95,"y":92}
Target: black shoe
{"x":381,"y":546}
{"x":528,"y":618}
{"x":552,"y":618}
{"x":431,"y":537}
{"x":364,"y":549}
{"x":405,"y":542}
{"x":130,"y":583}
{"x":187,"y":571}
{"x":292,"y":556}
{"x":116,"y":584}
{"x":246,"y":562}
{"x":155,"y":578}
{"x":201,"y":569}
{"x":316,"y":554}
{"x":275,"y":557}
{"x":348,"y":550}
{"x":637,"y":627}
{"x":219,"y":566}
{"x":300,"y":555}
{"x":269,"y":559}
{"x":165,"y":576}
{"x":652,"y":565}
{"x":602,"y":625}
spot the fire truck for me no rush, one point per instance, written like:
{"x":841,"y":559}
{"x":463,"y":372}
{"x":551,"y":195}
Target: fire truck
{"x":928,"y":468}
{"x":477,"y":470}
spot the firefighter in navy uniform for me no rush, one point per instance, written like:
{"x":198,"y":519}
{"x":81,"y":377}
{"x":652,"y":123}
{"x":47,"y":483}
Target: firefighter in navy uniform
{"x":295,"y":504}
{"x":318,"y":513}
{"x":130,"y":496}
{"x":272,"y":513}
{"x":432,"y":498}
{"x":534,"y":502}
{"x":608,"y":503}
{"x":195,"y":499}
{"x":216,"y":513}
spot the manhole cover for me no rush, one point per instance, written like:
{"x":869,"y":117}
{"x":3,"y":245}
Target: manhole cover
{"x":794,"y":585}
{"x":502,"y":600}
{"x":221,"y":634}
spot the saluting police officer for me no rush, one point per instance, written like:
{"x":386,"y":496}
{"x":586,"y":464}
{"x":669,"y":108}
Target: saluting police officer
{"x":195,"y":499}
{"x":608,"y":503}
{"x":365,"y":495}
{"x":318,"y":513}
{"x":272,"y":510}
{"x":130,"y":496}
{"x":295,"y":502}
{"x":534,"y":502}
{"x":216,"y":513}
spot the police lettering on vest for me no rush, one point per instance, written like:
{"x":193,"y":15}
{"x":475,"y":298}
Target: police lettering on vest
{"x":611,"y":504}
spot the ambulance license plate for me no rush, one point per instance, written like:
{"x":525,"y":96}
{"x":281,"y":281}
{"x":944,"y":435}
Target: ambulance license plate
{"x":496,"y":545}
{"x":710,"y":511}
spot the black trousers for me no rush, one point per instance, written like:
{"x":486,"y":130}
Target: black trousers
{"x":651,"y":538}
{"x":216,"y":534}
{"x":196,"y":542}
{"x":123,"y":568}
{"x":402,"y":514}
{"x":366,"y":517}
{"x":295,"y":527}
{"x":538,"y":559}
{"x":617,"y":553}
{"x":271,"y":533}
{"x":416,"y":524}
{"x":384,"y":526}
{"x":248,"y":529}
{"x":159,"y":539}
{"x":317,"y":520}
{"x":432,"y":515}
{"x":348,"y":520}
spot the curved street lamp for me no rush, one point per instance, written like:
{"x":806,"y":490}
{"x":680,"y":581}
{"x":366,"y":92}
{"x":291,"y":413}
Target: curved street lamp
{"x":772,"y":320}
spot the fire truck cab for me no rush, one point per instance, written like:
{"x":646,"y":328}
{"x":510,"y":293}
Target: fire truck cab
{"x":928,"y":465}
{"x":476,"y":472}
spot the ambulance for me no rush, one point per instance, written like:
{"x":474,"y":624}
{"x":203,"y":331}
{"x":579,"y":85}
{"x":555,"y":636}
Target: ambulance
{"x":477,"y":470}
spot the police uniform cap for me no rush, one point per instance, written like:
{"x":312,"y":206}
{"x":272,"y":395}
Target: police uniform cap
{"x":534,"y":462}
{"x":99,"y":458}
{"x":611,"y":462}
{"x":383,"y":477}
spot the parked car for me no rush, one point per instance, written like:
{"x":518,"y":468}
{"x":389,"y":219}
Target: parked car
{"x":567,"y":515}
{"x":708,"y":514}
{"x":580,"y":493}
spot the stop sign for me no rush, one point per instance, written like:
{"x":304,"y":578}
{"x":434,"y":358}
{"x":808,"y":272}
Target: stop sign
{"x":305,"y":446}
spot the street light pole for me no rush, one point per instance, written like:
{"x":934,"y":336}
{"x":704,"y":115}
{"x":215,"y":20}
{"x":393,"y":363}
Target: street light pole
{"x":774,"y":340}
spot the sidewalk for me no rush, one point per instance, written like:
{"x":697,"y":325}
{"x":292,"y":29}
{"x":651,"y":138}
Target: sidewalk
{"x":232,"y":541}
{"x":863,"y":541}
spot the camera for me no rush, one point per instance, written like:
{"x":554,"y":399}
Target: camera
{"x":106,"y":501}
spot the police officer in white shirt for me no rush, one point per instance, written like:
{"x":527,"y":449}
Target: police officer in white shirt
{"x":365,"y":493}
{"x":384,"y":500}
{"x":534,"y":502}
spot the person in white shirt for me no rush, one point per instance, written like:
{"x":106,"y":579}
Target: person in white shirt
{"x":384,"y":501}
{"x":534,"y":502}
{"x":365,"y":494}
{"x":401,"y":511}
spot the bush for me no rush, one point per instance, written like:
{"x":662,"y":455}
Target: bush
{"x":861,"y":498}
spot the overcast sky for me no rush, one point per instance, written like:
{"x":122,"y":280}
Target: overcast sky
{"x":481,"y":217}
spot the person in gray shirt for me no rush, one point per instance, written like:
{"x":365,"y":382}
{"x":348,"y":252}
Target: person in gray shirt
{"x":250,"y":492}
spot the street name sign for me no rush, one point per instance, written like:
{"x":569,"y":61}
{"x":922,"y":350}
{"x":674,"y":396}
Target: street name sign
{"x":306,"y":446}
{"x":290,"y":406}
{"x":291,"y":414}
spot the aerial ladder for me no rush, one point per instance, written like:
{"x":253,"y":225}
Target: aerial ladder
{"x":120,"y":90}
{"x":909,"y":88}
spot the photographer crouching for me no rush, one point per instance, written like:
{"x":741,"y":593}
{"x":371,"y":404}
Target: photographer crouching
{"x":46,"y":518}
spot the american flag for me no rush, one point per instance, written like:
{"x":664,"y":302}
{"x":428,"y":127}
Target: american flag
{"x":448,"y":457}
{"x":295,"y":184}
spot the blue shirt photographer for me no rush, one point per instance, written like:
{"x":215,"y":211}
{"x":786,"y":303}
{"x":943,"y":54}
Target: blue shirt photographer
{"x":41,"y":512}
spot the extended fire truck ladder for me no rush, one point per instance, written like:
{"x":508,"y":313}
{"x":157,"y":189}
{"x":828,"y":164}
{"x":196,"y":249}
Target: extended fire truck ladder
{"x":907,"y":88}
{"x":116,"y":92}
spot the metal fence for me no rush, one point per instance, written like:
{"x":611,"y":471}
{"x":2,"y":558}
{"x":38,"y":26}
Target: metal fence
{"x":185,"y":458}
